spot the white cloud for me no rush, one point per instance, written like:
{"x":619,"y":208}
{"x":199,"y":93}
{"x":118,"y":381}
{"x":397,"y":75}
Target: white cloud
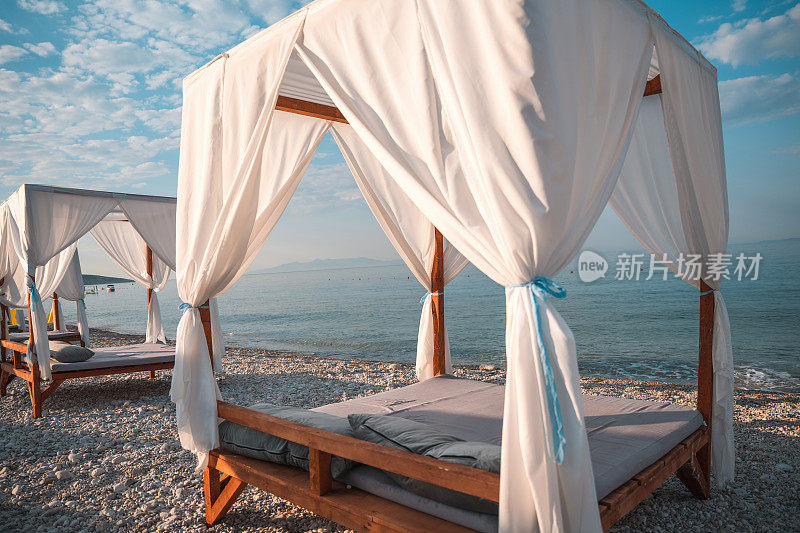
{"x":752,"y":40}
{"x":41,"y":49}
{"x":43,"y":7}
{"x":790,"y":150}
{"x":739,"y":5}
{"x":759,"y":98}
{"x":10,"y":53}
{"x":9,"y":28}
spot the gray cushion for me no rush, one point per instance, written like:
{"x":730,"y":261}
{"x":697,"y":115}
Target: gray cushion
{"x":69,"y":353}
{"x":423,"y":439}
{"x":259,"y":445}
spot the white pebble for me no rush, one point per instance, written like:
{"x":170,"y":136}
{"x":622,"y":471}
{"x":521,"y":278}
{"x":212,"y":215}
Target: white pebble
{"x":63,"y":474}
{"x":120,"y":487}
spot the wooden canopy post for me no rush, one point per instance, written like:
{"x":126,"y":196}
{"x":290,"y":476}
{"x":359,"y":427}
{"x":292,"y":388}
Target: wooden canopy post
{"x":149,"y":267}
{"x":705,"y":376}
{"x":205,"y":318}
{"x":696,"y":473}
{"x":437,"y":307}
{"x":56,"y":314}
{"x":148,"y":260}
{"x":34,"y":388}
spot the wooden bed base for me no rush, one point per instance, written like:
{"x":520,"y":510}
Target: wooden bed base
{"x":228,"y":474}
{"x":9,"y":369}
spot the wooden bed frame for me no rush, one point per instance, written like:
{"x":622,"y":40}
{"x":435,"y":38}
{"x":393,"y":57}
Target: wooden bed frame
{"x":16,"y":367}
{"x":228,"y":473}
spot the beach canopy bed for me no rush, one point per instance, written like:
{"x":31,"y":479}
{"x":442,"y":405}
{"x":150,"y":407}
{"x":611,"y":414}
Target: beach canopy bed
{"x":504,"y":128}
{"x":38,"y":255}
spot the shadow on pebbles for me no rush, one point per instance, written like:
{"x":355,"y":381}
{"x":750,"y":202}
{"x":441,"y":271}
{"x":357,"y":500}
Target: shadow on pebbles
{"x":106,"y":456}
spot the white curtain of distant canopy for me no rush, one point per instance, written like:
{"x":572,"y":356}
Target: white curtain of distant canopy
{"x":672,"y":195}
{"x":126,"y":247}
{"x":44,"y":226}
{"x":71,"y":288}
{"x":512,"y":163}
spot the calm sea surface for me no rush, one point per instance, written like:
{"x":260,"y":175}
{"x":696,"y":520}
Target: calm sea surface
{"x":626,"y":329}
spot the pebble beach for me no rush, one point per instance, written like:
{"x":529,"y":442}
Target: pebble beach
{"x":106,"y":457}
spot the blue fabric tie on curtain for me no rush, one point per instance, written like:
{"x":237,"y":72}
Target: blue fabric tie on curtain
{"x":540,"y":288}
{"x":708,"y":292}
{"x":185,"y":307}
{"x":422,"y":300}
{"x":35,"y":298}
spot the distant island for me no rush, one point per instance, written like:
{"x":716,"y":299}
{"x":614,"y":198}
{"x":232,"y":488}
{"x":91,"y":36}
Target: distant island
{"x":96,"y":279}
{"x":328,"y":264}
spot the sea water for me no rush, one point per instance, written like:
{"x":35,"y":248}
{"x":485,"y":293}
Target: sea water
{"x":623,"y":329}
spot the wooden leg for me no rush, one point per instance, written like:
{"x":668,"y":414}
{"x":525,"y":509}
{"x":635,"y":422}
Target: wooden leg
{"x":695,"y":478}
{"x":51,"y":388}
{"x":152,"y":374}
{"x":36,"y":397}
{"x":219,"y":498}
{"x":5,"y":379}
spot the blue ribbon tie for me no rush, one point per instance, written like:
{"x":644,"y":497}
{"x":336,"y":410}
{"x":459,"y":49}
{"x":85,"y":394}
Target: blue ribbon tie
{"x":540,"y":288}
{"x":185,"y":307}
{"x":708,"y":292}
{"x":422,"y":300}
{"x":35,"y":298}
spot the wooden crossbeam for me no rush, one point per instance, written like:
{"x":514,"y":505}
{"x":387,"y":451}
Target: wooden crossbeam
{"x":309,"y":109}
{"x":326,"y":112}
{"x":653,"y":86}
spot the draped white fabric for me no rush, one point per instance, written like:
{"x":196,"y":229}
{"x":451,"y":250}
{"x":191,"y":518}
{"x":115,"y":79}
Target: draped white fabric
{"x":71,"y":288}
{"x":669,"y":207}
{"x":232,"y":192}
{"x":694,"y":132}
{"x":44,"y":223}
{"x":409,"y":231}
{"x":513,"y":173}
{"x":123,"y":243}
{"x":513,"y":164}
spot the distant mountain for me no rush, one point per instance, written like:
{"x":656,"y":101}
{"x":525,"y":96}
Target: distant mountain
{"x":328,"y":264}
{"x":96,"y":279}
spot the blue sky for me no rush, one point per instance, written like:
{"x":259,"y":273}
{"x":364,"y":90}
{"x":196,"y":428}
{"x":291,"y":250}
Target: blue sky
{"x":90,"y":97}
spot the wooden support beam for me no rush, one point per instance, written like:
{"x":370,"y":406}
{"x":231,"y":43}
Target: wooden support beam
{"x":309,"y":109}
{"x":149,"y":267}
{"x":205,"y":318}
{"x":56,"y":313}
{"x":653,"y":86}
{"x":437,"y":307}
{"x":705,"y":376}
{"x":326,"y":112}
{"x":50,"y":389}
{"x":35,"y":391}
{"x":319,"y":469}
{"x":219,"y":496}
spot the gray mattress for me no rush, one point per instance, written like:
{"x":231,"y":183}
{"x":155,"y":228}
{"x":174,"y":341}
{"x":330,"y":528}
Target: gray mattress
{"x":625,"y":436}
{"x":130,"y":355}
{"x":52,"y":335}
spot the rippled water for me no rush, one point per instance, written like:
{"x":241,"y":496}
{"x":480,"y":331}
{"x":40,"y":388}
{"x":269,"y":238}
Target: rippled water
{"x":643,"y":330}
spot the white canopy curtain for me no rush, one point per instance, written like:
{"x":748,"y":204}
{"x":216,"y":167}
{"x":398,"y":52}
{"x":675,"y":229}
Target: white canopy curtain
{"x":513,"y":164}
{"x":44,"y":223}
{"x":71,"y":288}
{"x":232,"y":191}
{"x":675,"y":209}
{"x":409,"y":231}
{"x":122,"y":242}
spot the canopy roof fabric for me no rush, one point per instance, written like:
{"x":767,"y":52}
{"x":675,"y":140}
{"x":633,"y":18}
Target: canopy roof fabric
{"x":506,"y":126}
{"x":38,"y":247}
